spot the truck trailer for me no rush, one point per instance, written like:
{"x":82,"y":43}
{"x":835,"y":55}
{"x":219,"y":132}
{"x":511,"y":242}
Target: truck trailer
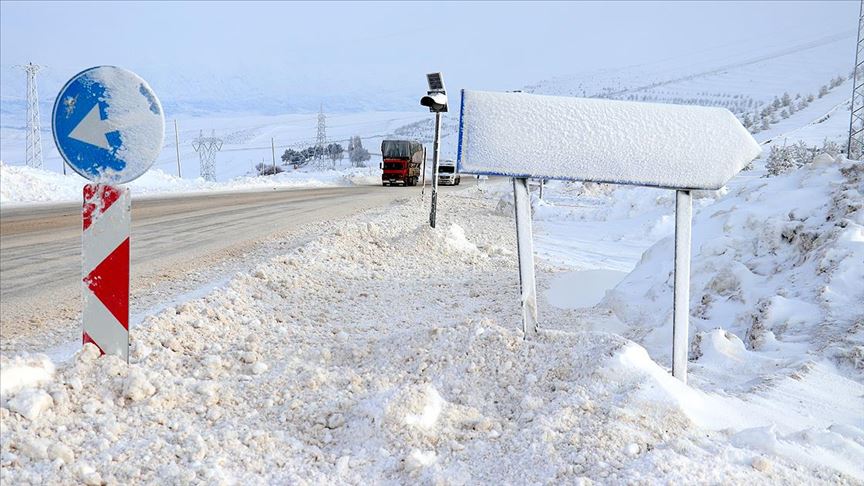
{"x":401,"y":161}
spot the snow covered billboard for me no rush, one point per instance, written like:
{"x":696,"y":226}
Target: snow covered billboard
{"x":649,"y":144}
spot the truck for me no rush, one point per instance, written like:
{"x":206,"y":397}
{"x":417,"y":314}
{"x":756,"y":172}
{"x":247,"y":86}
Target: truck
{"x":401,"y":161}
{"x":447,"y":173}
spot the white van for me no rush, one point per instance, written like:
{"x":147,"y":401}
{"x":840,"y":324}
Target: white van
{"x":447,"y":173}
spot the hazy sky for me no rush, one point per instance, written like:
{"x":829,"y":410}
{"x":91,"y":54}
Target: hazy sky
{"x":389,"y":46}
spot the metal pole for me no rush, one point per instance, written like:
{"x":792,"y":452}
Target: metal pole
{"x":542,"y":183}
{"x":855,"y":86}
{"x":423,"y":190}
{"x":435,"y":170}
{"x":273,"y":149}
{"x":177,"y":144}
{"x":525,"y":249}
{"x":681,"y":306}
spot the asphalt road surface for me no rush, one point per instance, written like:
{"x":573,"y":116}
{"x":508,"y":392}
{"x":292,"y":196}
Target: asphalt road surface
{"x":40,"y":247}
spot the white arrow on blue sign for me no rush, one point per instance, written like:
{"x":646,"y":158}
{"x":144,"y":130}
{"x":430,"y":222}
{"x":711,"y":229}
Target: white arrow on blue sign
{"x":108,"y":124}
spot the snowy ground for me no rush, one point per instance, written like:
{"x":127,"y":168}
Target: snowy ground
{"x":382,"y":349}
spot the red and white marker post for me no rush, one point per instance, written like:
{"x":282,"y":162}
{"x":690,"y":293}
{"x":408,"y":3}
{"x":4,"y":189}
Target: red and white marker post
{"x":109,"y":143}
{"x":107,"y":216}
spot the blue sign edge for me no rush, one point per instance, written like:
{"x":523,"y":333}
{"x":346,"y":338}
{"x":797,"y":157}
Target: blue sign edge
{"x":54,"y":114}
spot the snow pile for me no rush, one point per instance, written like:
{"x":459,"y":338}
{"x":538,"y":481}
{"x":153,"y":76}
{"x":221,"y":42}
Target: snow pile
{"x":778,"y":263}
{"x":599,"y":140}
{"x":384,"y":351}
{"x":21,"y":184}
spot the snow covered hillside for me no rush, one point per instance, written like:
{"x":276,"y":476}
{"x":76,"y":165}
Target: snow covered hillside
{"x":778,"y":279}
{"x":331,"y":364}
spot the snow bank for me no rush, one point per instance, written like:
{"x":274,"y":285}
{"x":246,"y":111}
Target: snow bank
{"x":663,"y":145}
{"x":388,"y":352}
{"x":778,"y":262}
{"x":20,"y":184}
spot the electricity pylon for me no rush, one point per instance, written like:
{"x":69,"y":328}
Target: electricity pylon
{"x":33,"y":153}
{"x":855,"y":145}
{"x":207,"y":148}
{"x":321,"y":140}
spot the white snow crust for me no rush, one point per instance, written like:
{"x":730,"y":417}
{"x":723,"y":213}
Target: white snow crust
{"x":673,"y":146}
{"x":384,"y":351}
{"x":138,"y":117}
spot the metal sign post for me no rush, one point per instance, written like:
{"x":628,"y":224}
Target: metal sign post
{"x":681,"y":290}
{"x":525,"y":245}
{"x":436,"y":100}
{"x":703,"y":149}
{"x":435,"y":146}
{"x":423,"y":175}
{"x":108,"y":126}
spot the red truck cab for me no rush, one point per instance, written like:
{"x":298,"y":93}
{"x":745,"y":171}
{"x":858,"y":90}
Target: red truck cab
{"x":401,"y":161}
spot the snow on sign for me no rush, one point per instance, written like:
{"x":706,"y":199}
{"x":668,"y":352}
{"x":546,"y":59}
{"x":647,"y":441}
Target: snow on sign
{"x":546,"y":137}
{"x":648,"y":144}
{"x":108,"y":124}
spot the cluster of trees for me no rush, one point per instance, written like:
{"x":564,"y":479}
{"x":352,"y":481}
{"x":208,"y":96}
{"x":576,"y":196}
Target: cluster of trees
{"x":736,"y":103}
{"x":784,"y":107}
{"x":356,"y":153}
{"x":786,"y":159}
{"x":333,"y":151}
{"x":779,"y":108}
{"x":299,"y":158}
{"x":833,"y":84}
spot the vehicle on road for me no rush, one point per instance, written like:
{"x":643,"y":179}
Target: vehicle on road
{"x":401,"y":161}
{"x":447,"y":174}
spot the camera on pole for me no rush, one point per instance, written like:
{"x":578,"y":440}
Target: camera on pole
{"x":436,"y":100}
{"x":436,"y":97}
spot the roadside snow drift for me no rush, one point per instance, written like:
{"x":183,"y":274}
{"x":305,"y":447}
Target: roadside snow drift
{"x":21,"y":184}
{"x":778,"y":262}
{"x":384,"y":351}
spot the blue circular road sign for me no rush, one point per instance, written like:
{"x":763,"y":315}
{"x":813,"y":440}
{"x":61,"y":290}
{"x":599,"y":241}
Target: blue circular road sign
{"x":108,"y":124}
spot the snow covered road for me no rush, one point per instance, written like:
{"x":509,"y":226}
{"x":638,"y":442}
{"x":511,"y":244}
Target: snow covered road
{"x":172,"y":237}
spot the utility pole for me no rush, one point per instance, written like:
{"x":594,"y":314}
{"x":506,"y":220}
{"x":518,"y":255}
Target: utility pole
{"x":423,"y":189}
{"x":273,"y":149}
{"x":436,"y":101}
{"x":177,"y":145}
{"x":435,"y":146}
{"x":33,"y":152}
{"x":207,"y":148}
{"x":855,"y":145}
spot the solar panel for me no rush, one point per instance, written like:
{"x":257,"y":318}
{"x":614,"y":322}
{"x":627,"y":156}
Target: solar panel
{"x":435,"y":82}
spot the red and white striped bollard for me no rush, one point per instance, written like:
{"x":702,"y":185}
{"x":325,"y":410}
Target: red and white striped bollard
{"x":105,"y":267}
